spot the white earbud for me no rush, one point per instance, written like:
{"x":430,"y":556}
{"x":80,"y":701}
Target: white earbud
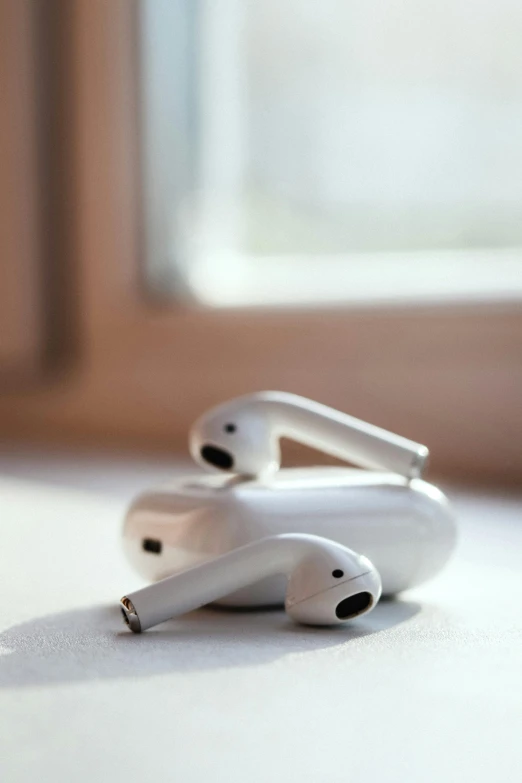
{"x":327,"y":583}
{"x":242,"y":436}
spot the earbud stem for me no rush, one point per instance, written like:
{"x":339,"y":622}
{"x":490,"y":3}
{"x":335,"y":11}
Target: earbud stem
{"x":211,"y":580}
{"x":344,"y":436}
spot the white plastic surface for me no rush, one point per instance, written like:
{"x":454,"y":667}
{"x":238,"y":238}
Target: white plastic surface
{"x":407,"y":529}
{"x":425,"y":689}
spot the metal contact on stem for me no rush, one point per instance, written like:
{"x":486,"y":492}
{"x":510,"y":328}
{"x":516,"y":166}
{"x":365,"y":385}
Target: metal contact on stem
{"x":129,"y":615}
{"x":420,"y":462}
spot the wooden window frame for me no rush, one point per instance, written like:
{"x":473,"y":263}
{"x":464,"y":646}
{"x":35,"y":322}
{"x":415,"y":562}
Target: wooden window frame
{"x":449,"y":376}
{"x":21,"y":302}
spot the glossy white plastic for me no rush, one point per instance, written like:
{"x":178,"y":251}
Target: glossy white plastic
{"x":242,"y":436}
{"x":406,"y":528}
{"x":328,"y":584}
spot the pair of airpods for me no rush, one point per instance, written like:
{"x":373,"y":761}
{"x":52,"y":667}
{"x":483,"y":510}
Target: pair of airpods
{"x":328,"y":583}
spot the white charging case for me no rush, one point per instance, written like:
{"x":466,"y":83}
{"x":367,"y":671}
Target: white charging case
{"x":405,"y":527}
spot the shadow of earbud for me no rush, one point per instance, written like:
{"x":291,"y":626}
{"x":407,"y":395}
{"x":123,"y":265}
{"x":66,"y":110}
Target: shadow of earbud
{"x":92,"y":643}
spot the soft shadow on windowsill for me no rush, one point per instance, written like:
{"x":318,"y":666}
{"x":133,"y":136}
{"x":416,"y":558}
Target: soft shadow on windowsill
{"x":92,"y":644}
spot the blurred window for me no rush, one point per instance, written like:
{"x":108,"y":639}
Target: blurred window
{"x":287,"y":153}
{"x":297,"y":151}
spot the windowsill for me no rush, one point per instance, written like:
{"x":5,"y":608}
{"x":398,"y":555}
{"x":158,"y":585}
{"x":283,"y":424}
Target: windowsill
{"x":381,"y":279}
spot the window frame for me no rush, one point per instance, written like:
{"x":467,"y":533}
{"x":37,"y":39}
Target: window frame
{"x":142,"y":370}
{"x":22,"y":318}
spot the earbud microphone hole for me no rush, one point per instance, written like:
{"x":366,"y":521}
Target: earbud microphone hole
{"x":354,"y":605}
{"x":217,"y":457}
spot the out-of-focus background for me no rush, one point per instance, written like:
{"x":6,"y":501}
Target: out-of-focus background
{"x":201,"y":198}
